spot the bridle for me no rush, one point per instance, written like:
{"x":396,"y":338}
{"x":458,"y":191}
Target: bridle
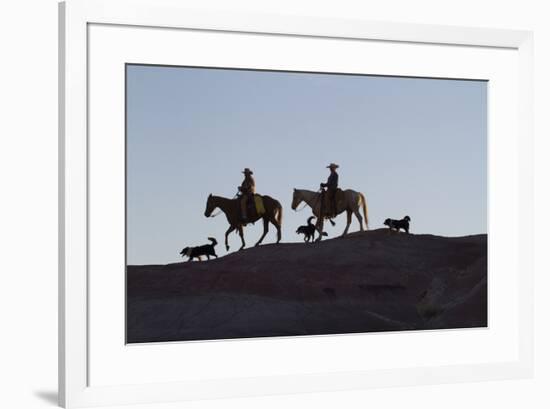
{"x":215,"y":214}
{"x":305,"y":203}
{"x":220,"y":210}
{"x":299,"y":210}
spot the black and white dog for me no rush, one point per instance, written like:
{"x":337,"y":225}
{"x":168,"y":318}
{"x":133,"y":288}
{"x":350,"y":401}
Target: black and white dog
{"x":308,"y":230}
{"x":199,"y":251}
{"x":398,"y":224}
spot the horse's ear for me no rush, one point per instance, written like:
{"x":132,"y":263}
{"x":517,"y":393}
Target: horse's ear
{"x":210,"y":195}
{"x":295,"y":189}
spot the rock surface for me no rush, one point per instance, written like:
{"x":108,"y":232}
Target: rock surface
{"x":364,"y":282}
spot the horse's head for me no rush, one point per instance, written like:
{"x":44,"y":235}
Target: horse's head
{"x":296,"y":199}
{"x":210,"y":206}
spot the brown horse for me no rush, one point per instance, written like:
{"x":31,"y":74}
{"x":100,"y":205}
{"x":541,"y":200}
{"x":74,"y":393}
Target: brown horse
{"x":232,"y":209}
{"x":351,"y":203}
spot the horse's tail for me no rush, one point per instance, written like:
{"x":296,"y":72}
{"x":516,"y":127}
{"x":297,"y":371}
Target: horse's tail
{"x":213,"y":240}
{"x":279,"y":216}
{"x":309,"y":219}
{"x":364,"y":205}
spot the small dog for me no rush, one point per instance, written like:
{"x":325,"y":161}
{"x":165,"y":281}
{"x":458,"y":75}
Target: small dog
{"x":308,"y":230}
{"x":199,"y":251}
{"x":398,"y":224}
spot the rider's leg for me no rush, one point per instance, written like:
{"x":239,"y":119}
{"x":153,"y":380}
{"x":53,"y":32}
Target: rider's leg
{"x":243,"y":207}
{"x":333,"y":209}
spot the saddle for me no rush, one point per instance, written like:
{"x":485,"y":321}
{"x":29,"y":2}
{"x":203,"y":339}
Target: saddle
{"x":255,"y":206}
{"x":328,"y":203}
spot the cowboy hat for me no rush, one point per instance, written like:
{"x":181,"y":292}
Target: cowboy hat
{"x":246,"y":170}
{"x":333,"y":166}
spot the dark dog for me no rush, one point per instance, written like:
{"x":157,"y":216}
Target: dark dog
{"x":398,"y":224}
{"x":308,"y":230}
{"x":199,"y":251}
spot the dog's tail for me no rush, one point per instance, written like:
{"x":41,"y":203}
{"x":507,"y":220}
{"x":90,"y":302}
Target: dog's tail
{"x":213,"y":240}
{"x":309,"y":219}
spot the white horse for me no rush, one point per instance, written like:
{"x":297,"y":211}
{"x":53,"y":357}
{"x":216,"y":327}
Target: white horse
{"x":351,"y":202}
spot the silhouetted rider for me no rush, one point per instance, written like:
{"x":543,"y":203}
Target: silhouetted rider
{"x":247,"y":190}
{"x":331,"y":186}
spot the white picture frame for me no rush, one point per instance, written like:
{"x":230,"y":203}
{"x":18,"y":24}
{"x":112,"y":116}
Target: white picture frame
{"x":76,"y":18}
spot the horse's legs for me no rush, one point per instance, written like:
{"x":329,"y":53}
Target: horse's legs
{"x":348,"y":222}
{"x":359,"y":219}
{"x":319,"y":226}
{"x":266,"y":228}
{"x":231,"y":228}
{"x":241,"y":233}
{"x":275,"y":223}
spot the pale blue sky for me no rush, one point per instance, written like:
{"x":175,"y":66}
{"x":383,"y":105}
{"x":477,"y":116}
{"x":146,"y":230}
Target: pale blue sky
{"x":413,"y":146}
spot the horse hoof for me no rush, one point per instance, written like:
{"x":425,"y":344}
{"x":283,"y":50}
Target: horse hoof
{"x":227,"y":248}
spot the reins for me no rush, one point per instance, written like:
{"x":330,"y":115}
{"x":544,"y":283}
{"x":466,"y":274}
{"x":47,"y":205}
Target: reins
{"x":314,"y":204}
{"x":220,"y":210}
{"x":305,"y":205}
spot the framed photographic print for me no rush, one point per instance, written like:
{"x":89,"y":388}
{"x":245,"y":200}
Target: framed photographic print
{"x":282,"y":127}
{"x":256,"y":204}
